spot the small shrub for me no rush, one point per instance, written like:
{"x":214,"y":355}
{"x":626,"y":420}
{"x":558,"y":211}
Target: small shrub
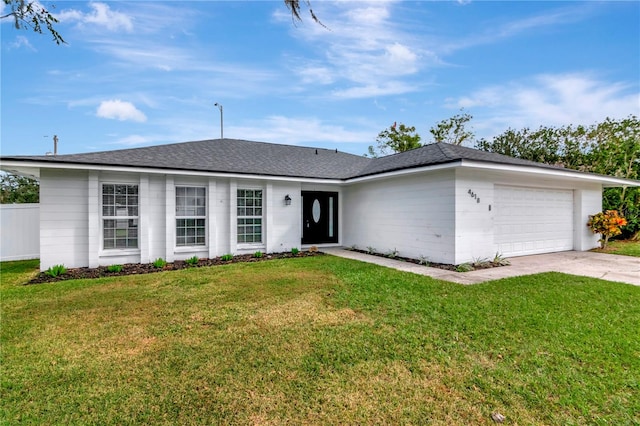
{"x":422,"y":260}
{"x":226,"y":257}
{"x":500,"y":261}
{"x":353,"y":247}
{"x":479,"y":263}
{"x":160,"y":263}
{"x":114,"y":268}
{"x":192,"y":261}
{"x":607,"y":224}
{"x":371,"y":250}
{"x":392,"y":254}
{"x":295,"y":251}
{"x":464,"y":267}
{"x":56,"y":270}
{"x":258,"y":254}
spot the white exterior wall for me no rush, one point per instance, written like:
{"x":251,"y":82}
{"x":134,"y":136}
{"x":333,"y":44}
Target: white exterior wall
{"x":283,"y":223}
{"x":19,"y":231}
{"x":71,"y":220}
{"x":156,"y":213}
{"x":220,"y":212}
{"x":586,"y":201}
{"x":475,"y":222}
{"x":411,"y":214}
{"x":429,"y":214}
{"x":64,"y":236}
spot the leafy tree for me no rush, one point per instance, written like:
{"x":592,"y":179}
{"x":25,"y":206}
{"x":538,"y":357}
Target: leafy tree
{"x":18,"y":189}
{"x":396,"y":139}
{"x":32,"y":15}
{"x":615,"y":150}
{"x":542,"y":145}
{"x":453,"y":130}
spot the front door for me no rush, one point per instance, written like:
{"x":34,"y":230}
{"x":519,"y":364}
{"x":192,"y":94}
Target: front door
{"x":319,"y":217}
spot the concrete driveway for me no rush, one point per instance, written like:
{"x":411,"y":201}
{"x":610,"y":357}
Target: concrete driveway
{"x":625,"y":269}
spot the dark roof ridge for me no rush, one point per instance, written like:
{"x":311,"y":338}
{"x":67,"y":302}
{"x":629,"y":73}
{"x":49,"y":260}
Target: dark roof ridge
{"x":177,"y":144}
{"x":224,"y":156}
{"x":269,"y":159}
{"x":446,"y":148}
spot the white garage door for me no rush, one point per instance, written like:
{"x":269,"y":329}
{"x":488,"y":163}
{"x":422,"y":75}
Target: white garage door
{"x":532,"y":220}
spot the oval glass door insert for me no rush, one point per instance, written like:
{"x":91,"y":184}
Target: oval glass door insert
{"x":315,"y":210}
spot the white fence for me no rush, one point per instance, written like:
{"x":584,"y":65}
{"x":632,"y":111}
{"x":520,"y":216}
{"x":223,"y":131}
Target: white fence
{"x":19,"y":231}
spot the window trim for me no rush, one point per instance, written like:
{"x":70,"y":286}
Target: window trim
{"x":191,"y":247}
{"x":245,"y":244}
{"x":116,"y":251}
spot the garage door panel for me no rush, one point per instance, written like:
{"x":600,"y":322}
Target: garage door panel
{"x":532,"y":220}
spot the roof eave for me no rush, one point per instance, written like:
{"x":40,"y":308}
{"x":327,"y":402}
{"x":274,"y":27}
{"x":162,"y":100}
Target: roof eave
{"x":605,"y":181}
{"x":21,"y":166}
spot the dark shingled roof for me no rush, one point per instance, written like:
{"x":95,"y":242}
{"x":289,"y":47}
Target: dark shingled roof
{"x":226,"y":156}
{"x":441,"y":153}
{"x":246,"y":157}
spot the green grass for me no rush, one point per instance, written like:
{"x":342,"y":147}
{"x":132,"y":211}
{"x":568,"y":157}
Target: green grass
{"x":318,"y":340}
{"x":626,"y":247}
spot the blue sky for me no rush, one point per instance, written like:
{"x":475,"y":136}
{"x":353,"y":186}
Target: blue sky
{"x":149,"y":72}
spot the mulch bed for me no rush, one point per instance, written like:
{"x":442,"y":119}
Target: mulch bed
{"x":486,"y":264}
{"x":148,"y":268}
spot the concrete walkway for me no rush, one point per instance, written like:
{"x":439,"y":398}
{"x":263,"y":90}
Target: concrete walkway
{"x":625,"y":269}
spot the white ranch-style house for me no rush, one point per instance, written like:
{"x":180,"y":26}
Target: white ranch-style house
{"x":446,"y":203}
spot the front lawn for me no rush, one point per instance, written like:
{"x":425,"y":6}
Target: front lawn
{"x":625,"y":247}
{"x":318,"y":340}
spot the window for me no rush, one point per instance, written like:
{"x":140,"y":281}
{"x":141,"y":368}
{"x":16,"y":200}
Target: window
{"x":191,"y":211}
{"x":119,"y":216}
{"x":249,"y":215}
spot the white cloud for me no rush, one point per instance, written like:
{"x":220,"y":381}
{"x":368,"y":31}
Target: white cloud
{"x":101,"y":15}
{"x":280,"y":129}
{"x":374,"y":90}
{"x":316,"y":75}
{"x":365,"y":52}
{"x":375,"y":14}
{"x":134,"y":140}
{"x":120,"y":110}
{"x":552,"y":100}
{"x":22,"y":41}
{"x":496,"y":31}
{"x":399,"y":60}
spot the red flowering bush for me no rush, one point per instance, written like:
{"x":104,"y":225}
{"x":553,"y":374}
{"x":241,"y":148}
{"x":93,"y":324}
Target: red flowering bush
{"x":608,"y":224}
